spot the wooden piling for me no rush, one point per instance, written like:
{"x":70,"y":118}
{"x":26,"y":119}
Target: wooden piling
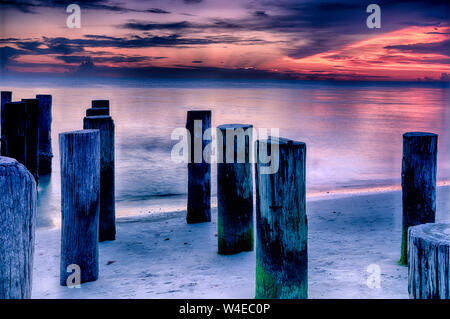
{"x":17,"y":229}
{"x":6,"y":97}
{"x":100,"y":104}
{"x":429,"y":263}
{"x":282,"y":230}
{"x":107,"y":224}
{"x":234,"y":189}
{"x":15,"y":131}
{"x":419,"y":167}
{"x":80,"y":204}
{"x":32,"y":137}
{"x":45,"y":137}
{"x":199,"y":168}
{"x":97,"y":111}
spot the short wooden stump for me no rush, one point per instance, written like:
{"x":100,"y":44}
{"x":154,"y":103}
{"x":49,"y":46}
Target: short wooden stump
{"x":429,"y":261}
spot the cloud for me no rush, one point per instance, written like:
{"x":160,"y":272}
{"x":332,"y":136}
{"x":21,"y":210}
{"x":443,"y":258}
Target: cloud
{"x":327,"y":25}
{"x":301,"y":29}
{"x":32,"y":6}
{"x":156,"y":26}
{"x":260,"y":14}
{"x":7,"y":54}
{"x":156,"y":10}
{"x":442,"y":47}
{"x":103,"y":59}
{"x":66,"y":46}
{"x":190,"y":72}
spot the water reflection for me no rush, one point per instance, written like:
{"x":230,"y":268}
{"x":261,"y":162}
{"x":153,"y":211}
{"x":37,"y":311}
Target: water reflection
{"x":353,"y":133}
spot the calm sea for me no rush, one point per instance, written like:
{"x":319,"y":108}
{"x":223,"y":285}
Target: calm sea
{"x":353,"y":131}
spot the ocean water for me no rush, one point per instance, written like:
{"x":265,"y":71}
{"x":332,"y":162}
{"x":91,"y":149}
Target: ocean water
{"x":353,"y":131}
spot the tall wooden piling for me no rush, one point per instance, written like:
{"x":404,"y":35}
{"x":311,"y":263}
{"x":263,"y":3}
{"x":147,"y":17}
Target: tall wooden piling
{"x":199,"y":168}
{"x":282,"y":230}
{"x":17,"y":227}
{"x":80,"y":205}
{"x":6,"y":97}
{"x":107,"y":227}
{"x":234,"y":189}
{"x":15,"y":131}
{"x":32,"y":137}
{"x":45,"y":137}
{"x":100,"y":104}
{"x":419,"y":167}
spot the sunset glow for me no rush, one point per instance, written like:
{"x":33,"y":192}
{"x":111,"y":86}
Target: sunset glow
{"x":284,"y":39}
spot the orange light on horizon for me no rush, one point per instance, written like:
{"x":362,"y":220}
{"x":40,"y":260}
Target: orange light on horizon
{"x":373,"y":56}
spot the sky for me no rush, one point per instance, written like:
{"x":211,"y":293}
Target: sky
{"x":277,"y":39}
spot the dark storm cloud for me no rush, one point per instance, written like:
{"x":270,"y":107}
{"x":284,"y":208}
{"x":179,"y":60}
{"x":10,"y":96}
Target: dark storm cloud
{"x":442,"y":47}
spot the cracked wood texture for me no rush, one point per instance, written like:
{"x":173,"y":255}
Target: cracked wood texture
{"x":199,"y":168}
{"x":45,"y":133}
{"x":419,"y":167}
{"x":429,"y":261}
{"x":282,"y":230}
{"x":80,"y":202}
{"x":107,"y":222}
{"x":17,"y":227}
{"x":234,"y":189}
{"x":6,"y":97}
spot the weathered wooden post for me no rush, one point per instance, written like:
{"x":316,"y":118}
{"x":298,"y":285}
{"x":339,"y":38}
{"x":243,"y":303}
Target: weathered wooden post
{"x":6,"y":97}
{"x":32,"y":137}
{"x":198,"y":124}
{"x":282,"y":230}
{"x":97,"y":111}
{"x":418,"y":183}
{"x":80,"y":205}
{"x":429,"y":261}
{"x":17,"y":226}
{"x":15,"y":130}
{"x":234,"y":188}
{"x":107,"y":224}
{"x":45,"y":137}
{"x":100,"y":104}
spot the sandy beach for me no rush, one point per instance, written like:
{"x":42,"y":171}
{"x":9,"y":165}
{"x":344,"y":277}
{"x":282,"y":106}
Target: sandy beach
{"x":160,"y":256}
